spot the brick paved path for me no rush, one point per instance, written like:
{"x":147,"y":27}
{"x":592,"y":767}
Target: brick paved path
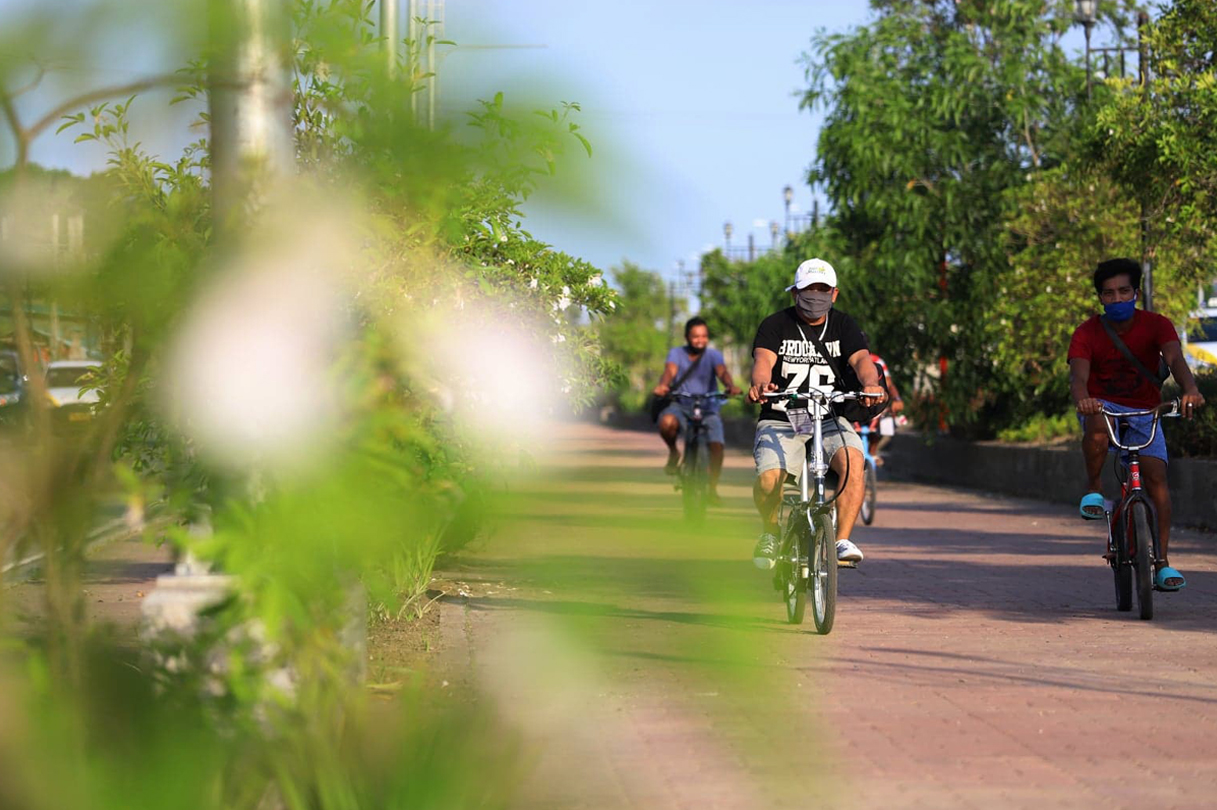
{"x":977,"y":659}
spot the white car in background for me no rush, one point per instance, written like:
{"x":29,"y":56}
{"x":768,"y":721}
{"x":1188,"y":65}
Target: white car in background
{"x":64,"y":379}
{"x":1201,"y":345}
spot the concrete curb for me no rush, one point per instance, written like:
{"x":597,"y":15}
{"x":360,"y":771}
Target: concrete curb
{"x":1052,"y":474}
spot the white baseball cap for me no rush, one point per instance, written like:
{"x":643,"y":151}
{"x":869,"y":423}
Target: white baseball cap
{"x":813,"y":271}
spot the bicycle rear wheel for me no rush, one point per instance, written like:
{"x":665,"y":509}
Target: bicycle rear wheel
{"x":1143,"y":560}
{"x":869,"y":493}
{"x":823,"y":573}
{"x":695,"y":482}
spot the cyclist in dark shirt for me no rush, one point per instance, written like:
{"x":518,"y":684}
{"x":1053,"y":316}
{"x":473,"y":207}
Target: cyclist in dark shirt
{"x":785,"y":358}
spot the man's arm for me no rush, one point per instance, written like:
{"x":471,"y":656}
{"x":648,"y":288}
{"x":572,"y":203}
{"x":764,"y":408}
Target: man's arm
{"x":1172,"y":353}
{"x":868,"y":375}
{"x":665,"y":382}
{"x":763,"y":361}
{"x":724,"y":377}
{"x":1079,"y":376}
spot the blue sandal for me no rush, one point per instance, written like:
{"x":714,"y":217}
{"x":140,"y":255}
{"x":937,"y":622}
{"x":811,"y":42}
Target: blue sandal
{"x":1093,"y":501}
{"x":1166,"y":572}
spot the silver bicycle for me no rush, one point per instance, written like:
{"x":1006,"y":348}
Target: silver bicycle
{"x":807,"y":552}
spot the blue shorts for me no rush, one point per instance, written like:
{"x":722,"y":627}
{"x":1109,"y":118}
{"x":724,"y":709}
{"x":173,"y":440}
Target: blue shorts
{"x":1137,"y":432}
{"x":712,"y":421}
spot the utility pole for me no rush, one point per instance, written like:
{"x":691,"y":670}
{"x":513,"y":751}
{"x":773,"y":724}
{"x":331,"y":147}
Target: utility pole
{"x":388,"y":31}
{"x":250,"y":102}
{"x":671,"y":309}
{"x":1147,"y":266}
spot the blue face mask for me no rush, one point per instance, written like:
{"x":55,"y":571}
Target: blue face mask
{"x":1121,"y":311}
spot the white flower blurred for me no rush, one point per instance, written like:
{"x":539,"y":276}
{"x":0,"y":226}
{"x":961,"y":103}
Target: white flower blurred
{"x":250,"y":374}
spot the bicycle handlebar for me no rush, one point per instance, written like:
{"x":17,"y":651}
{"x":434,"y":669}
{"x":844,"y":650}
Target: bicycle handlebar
{"x":1170,"y":408}
{"x":835,"y":396}
{"x":715,"y":395}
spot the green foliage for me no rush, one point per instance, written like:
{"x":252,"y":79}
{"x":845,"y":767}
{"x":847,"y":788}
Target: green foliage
{"x":1159,"y":140}
{"x":1041,"y":428}
{"x":934,"y":110}
{"x":434,"y":222}
{"x":1195,"y":437}
{"x":635,"y":335}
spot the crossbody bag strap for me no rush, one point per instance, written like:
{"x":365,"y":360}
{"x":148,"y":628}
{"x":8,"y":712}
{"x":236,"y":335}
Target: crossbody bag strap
{"x":681,"y":379}
{"x":1128,"y":355}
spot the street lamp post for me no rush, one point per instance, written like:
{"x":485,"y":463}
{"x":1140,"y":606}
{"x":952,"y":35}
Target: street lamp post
{"x":774,"y":230}
{"x":727,"y":230}
{"x":788,"y":197}
{"x":1086,"y":14}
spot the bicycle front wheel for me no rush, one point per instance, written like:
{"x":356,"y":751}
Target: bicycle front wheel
{"x":1120,"y":566}
{"x":869,"y":494}
{"x":696,"y":482}
{"x":794,"y":563}
{"x":1143,"y":542}
{"x":823,"y":573}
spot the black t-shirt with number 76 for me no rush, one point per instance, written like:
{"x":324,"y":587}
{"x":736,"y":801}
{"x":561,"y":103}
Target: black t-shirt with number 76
{"x":799,"y":365}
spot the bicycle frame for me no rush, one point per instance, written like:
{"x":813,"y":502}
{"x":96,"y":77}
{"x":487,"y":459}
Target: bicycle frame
{"x":1131,"y":489}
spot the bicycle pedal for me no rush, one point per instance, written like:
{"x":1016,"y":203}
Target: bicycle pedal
{"x":847,"y":563}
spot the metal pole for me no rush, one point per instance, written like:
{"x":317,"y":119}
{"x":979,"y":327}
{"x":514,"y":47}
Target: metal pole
{"x":815,"y":213}
{"x":433,"y":81}
{"x":751,"y":248}
{"x":388,"y":30}
{"x":414,"y":55}
{"x":250,"y":104}
{"x":1147,"y":267}
{"x":671,"y":309}
{"x":1087,"y":26}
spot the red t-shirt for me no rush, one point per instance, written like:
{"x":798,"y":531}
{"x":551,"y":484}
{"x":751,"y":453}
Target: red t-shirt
{"x":1112,"y":377}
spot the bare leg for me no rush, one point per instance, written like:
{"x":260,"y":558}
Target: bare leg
{"x":1154,"y":470}
{"x":850,"y":502}
{"x":767,"y":495}
{"x":1095,"y":444}
{"x":716,"y":464}
{"x":669,"y":428}
{"x":877,"y":449}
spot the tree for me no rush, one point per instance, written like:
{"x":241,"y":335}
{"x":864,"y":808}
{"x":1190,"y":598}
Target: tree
{"x":934,"y":111}
{"x":1159,"y":142}
{"x":635,"y":335}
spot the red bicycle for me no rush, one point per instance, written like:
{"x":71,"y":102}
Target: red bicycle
{"x":1132,"y":526}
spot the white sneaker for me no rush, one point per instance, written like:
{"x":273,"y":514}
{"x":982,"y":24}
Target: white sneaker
{"x":848,"y":552}
{"x":764,"y":556}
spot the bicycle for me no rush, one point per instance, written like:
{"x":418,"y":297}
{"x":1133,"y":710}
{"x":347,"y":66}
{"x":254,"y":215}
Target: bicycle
{"x":693,"y":477}
{"x":807,"y":551}
{"x":870,"y":490}
{"x":1132,"y":526}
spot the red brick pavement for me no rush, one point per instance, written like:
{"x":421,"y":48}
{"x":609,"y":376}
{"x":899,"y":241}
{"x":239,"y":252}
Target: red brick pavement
{"x":977,"y":659}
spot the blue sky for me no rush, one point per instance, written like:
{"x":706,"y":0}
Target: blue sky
{"x":692,"y":109}
{"x":691,"y":106}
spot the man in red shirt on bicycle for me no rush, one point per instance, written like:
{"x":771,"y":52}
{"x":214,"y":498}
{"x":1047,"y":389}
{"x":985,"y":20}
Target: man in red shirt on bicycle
{"x":1100,"y":375}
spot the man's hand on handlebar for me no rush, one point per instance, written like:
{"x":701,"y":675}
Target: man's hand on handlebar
{"x":662,"y":390}
{"x":734,"y":391}
{"x":876,"y":391}
{"x":755,"y":392}
{"x":1189,"y":402}
{"x":1089,"y":406}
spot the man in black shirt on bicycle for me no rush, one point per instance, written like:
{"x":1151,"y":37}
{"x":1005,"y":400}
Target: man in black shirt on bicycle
{"x":787,"y":357}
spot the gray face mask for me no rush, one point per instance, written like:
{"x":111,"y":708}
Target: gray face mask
{"x":812,"y":304}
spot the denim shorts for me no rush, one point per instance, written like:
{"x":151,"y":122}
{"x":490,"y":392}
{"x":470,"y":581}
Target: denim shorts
{"x":712,"y":421}
{"x":1137,"y":433}
{"x":776,"y":447}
